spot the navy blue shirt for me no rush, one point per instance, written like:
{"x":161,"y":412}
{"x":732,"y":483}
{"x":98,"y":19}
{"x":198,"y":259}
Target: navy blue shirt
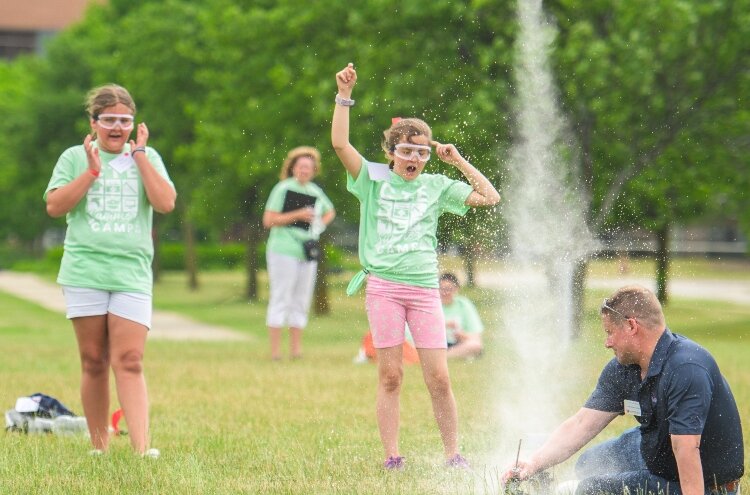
{"x":683,"y":393}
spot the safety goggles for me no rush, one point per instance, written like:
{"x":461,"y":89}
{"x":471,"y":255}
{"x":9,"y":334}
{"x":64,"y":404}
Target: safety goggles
{"x":407,"y":151}
{"x":111,"y":120}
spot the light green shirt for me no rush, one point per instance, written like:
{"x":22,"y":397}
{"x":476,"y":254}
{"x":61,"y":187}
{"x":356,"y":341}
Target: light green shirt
{"x":398,"y":222}
{"x":108,"y":242}
{"x":464,"y":314}
{"x":288,"y":239}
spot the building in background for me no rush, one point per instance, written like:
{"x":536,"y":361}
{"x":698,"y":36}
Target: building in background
{"x":25,"y":25}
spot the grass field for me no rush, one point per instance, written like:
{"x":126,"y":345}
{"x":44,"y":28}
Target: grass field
{"x":228,"y":420}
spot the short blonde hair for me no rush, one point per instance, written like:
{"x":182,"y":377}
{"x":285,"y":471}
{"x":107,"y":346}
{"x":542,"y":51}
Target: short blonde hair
{"x":635,"y":301}
{"x":107,"y":96}
{"x":296,"y":154}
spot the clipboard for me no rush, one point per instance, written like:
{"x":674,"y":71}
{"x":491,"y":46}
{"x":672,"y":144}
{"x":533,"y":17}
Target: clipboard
{"x":294,"y":201}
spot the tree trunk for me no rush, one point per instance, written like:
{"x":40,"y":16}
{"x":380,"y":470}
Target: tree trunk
{"x":578,"y":293}
{"x":662,"y":263}
{"x":251,"y":258}
{"x":470,"y":262}
{"x":322,"y":305}
{"x":191,"y":256}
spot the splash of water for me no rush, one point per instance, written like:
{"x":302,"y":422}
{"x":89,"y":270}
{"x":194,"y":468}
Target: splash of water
{"x":548,"y":236}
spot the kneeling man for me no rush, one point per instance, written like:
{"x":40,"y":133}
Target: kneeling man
{"x":689,"y":440}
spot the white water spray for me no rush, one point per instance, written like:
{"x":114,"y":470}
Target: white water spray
{"x":548,"y":235}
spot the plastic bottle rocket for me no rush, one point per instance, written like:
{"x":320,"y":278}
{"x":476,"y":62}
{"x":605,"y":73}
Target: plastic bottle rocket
{"x":39,"y":425}
{"x":69,"y":425}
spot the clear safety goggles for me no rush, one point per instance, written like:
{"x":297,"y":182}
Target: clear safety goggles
{"x":111,"y":120}
{"x":407,"y":151}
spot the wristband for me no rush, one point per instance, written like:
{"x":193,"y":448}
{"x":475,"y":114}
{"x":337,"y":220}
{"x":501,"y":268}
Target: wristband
{"x":139,"y":148}
{"x":93,"y":172}
{"x":344,"y":102}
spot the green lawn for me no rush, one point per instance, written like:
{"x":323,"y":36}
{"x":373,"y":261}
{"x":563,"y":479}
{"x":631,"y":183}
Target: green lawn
{"x":228,"y":420}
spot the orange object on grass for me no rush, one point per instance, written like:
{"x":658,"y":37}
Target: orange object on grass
{"x":116,"y":416}
{"x":410,"y":353}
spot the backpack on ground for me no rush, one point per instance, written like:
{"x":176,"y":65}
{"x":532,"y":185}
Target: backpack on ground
{"x":37,"y":413}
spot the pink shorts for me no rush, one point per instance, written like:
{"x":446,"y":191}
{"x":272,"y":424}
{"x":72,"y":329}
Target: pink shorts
{"x":390,"y":305}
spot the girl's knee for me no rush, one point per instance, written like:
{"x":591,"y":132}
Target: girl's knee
{"x":439,"y":385}
{"x":94,"y":364}
{"x":130,"y":362}
{"x":391,"y":381}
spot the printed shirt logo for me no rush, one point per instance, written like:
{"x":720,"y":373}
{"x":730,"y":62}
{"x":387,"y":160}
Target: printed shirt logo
{"x":113,"y":202}
{"x":400,"y":217}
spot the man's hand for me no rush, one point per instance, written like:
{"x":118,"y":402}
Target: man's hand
{"x":519,"y":472}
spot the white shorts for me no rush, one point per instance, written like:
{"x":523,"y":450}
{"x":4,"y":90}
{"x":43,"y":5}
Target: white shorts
{"x":82,"y":301}
{"x":292,"y":282}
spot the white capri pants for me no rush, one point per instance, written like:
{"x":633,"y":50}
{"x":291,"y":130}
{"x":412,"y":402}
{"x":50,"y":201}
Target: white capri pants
{"x":292,"y":282}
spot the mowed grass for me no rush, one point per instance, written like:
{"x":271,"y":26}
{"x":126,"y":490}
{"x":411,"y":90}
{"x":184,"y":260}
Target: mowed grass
{"x":228,"y":420}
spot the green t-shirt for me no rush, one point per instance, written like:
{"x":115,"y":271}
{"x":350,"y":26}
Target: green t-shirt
{"x":398,"y":222}
{"x":108,"y":243}
{"x":464,"y":314}
{"x":288,"y":239}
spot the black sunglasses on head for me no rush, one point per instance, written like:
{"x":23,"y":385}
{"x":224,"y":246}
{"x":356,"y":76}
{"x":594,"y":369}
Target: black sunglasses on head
{"x":605,"y":305}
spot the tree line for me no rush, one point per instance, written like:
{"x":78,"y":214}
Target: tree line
{"x":654,"y":92}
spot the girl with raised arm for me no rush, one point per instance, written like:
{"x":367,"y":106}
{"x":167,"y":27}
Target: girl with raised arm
{"x":399,"y":210}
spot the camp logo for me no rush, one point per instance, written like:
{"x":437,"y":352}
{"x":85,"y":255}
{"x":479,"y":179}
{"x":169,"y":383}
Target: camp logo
{"x":399,"y":217}
{"x":113,"y":201}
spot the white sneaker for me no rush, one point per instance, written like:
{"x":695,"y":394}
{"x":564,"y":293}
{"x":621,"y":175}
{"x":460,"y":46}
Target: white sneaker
{"x":360,"y":358}
{"x":152,"y":453}
{"x":96,"y":452}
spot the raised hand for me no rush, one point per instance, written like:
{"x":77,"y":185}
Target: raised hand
{"x":92,"y":155}
{"x":345,"y":80}
{"x":141,"y":137}
{"x":447,"y":153}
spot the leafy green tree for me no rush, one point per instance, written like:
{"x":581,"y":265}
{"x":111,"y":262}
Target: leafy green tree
{"x":47,"y":117}
{"x":156,"y":67}
{"x":17,"y":89}
{"x":653,"y":90}
{"x":422,"y":61}
{"x":159,"y":69}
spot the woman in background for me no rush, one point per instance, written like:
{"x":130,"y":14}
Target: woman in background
{"x":297,"y":212}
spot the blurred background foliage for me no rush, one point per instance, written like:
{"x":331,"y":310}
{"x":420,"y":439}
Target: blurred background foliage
{"x":655,"y":94}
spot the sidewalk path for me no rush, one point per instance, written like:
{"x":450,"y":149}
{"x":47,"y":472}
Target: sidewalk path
{"x":734,"y":291}
{"x":165,"y":324}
